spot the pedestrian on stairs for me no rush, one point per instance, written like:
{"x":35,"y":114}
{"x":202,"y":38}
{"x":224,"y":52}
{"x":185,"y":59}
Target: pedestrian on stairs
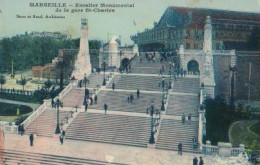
{"x":61,"y":139}
{"x":19,"y":129}
{"x":91,"y":101}
{"x":131,"y":98}
{"x":113,"y":86}
{"x":105,"y":108}
{"x":180,"y":148}
{"x":160,"y":72}
{"x":183,"y":118}
{"x":189,"y":118}
{"x":95,"y":99}
{"x":31,"y":139}
{"x":201,"y":161}
{"x":128,"y":99}
{"x":195,"y":161}
{"x":52,"y":103}
{"x":137,"y":93}
{"x":22,"y":130}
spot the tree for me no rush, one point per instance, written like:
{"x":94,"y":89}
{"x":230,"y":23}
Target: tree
{"x":23,"y":82}
{"x":2,"y":81}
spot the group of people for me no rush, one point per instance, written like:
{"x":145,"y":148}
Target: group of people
{"x":183,"y":118}
{"x":196,"y":161}
{"x":21,"y":129}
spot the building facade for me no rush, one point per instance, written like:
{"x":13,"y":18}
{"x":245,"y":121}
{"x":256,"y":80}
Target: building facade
{"x":184,"y":26}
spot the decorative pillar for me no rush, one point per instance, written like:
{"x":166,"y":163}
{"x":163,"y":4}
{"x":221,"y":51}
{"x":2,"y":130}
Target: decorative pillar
{"x":82,"y":63}
{"x":181,"y":54}
{"x":208,"y":76}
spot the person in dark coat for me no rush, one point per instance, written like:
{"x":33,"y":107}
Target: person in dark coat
{"x":91,"y":101}
{"x":131,"y":98}
{"x":61,"y":139}
{"x":195,"y":161}
{"x":87,"y":93}
{"x":138,"y":93}
{"x":22,"y":129}
{"x":31,"y":139}
{"x":201,"y":161}
{"x":113,"y":86}
{"x":95,"y":99}
{"x":52,"y":103}
{"x":105,"y":108}
{"x":19,"y":130}
{"x":180,"y":148}
{"x":183,"y":119}
{"x":189,"y":118}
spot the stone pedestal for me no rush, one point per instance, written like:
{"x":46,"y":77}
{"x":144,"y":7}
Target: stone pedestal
{"x":224,"y":149}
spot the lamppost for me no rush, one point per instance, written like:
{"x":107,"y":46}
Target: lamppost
{"x":85,"y":82}
{"x":104,"y":69}
{"x":163,"y":86}
{"x":154,"y":113}
{"x":58,"y":104}
{"x":151,"y":111}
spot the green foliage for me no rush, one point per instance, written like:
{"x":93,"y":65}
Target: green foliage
{"x":31,"y":51}
{"x":219,"y":117}
{"x":23,"y":82}
{"x":23,"y":98}
{"x":11,"y":109}
{"x":2,"y":80}
{"x":20,"y":119}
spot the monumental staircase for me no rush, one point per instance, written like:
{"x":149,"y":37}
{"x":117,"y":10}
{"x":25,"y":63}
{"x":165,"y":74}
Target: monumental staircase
{"x":127,"y":123}
{"x":45,"y":124}
{"x":113,"y":129}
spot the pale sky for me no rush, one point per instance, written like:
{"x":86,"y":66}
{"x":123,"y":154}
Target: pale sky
{"x":100,"y":24}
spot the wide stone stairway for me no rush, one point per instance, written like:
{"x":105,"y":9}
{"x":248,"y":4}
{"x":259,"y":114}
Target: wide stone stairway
{"x":141,"y":82}
{"x":187,"y":85}
{"x":173,"y":132}
{"x":183,"y":104}
{"x":114,"y":129}
{"x":117,"y":101}
{"x":45,"y":124}
{"x":149,"y":67}
{"x":11,"y":157}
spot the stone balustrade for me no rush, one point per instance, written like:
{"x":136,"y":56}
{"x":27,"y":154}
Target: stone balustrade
{"x":222,"y":149}
{"x":10,"y":128}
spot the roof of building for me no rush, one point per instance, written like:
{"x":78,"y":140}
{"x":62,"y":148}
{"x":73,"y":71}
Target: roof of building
{"x":216,"y":14}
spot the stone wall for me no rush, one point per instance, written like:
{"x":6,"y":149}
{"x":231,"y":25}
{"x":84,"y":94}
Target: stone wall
{"x":241,"y":90}
{"x":222,"y":74}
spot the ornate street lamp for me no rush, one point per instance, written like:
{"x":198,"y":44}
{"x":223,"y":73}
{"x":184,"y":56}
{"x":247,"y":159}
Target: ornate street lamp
{"x":104,"y":65}
{"x":58,"y":104}
{"x":163,"y":86}
{"x":85,"y":82}
{"x":151,"y":111}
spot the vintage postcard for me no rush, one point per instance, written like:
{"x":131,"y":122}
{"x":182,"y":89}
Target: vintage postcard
{"x":129,"y":82}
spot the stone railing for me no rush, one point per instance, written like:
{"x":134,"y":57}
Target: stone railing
{"x":222,"y":149}
{"x":223,"y":52}
{"x":193,"y":51}
{"x":17,"y":92}
{"x":66,"y":90}
{"x":202,"y":120}
{"x":10,"y":128}
{"x":37,"y":112}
